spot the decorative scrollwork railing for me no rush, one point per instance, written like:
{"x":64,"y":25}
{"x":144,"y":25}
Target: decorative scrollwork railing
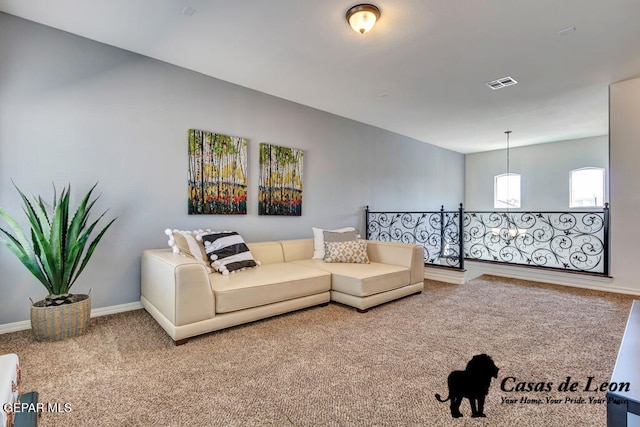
{"x":437,"y":232}
{"x":574,"y":241}
{"x":571,"y":241}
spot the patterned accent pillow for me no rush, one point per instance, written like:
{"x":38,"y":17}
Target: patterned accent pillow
{"x":354,"y":251}
{"x":185,"y":242}
{"x":318,"y":239}
{"x":227,"y":252}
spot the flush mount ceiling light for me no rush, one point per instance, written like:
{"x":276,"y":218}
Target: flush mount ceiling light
{"x":363,"y":17}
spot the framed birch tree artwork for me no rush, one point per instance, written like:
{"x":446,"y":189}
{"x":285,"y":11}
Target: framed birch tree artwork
{"x":217,"y":173}
{"x":280,"y":180}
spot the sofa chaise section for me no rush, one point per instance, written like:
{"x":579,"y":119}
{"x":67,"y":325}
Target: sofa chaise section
{"x":395,"y":270}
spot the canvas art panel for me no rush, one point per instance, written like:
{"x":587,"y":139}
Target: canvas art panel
{"x":217,"y":173}
{"x":280,"y":180}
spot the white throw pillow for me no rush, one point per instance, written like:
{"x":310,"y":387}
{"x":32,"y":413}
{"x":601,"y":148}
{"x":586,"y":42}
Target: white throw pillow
{"x":318,"y":240}
{"x":185,"y":242}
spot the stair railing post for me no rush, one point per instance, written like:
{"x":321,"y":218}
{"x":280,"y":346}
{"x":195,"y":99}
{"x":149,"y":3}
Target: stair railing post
{"x":366,"y":223}
{"x":605,"y":239}
{"x":461,"y":235}
{"x":442,"y":225}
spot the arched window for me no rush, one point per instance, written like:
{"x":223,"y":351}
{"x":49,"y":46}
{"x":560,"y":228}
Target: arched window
{"x":586,"y":187}
{"x":506,"y":191}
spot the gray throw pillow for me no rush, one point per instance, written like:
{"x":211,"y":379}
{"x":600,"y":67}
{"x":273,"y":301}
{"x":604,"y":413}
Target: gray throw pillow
{"x":346,"y":236}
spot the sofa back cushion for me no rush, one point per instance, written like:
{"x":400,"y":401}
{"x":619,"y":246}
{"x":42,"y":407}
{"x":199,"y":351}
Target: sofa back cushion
{"x":296,"y":250}
{"x":266,"y":252}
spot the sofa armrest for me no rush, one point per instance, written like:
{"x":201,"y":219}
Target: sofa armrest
{"x":177,"y":286}
{"x":403,"y":254}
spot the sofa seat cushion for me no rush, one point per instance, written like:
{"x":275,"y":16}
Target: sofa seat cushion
{"x":362,"y":279}
{"x":267,"y":284}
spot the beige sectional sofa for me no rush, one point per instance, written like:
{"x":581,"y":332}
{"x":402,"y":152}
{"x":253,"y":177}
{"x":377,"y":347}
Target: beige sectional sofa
{"x":187,"y":300}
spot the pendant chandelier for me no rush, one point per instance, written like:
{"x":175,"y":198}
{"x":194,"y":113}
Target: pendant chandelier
{"x":511,"y":231}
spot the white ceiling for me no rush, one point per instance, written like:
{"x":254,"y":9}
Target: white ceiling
{"x":420,"y":72}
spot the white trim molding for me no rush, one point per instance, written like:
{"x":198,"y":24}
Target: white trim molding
{"x":447,"y":275}
{"x":475,"y":269}
{"x":586,"y":281}
{"x":103,"y":311}
{"x":96,"y":312}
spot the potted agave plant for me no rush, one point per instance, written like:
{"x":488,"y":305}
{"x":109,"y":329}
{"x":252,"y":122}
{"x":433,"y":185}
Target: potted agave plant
{"x":56,"y":253}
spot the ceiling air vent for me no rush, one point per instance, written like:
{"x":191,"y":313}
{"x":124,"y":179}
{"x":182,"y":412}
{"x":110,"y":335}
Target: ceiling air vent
{"x":500,"y":83}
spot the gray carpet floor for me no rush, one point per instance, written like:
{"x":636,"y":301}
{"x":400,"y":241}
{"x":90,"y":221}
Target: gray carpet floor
{"x":332,"y":366}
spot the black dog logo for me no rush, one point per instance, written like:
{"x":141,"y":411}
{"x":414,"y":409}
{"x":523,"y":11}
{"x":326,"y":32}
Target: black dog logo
{"x":472,"y":383}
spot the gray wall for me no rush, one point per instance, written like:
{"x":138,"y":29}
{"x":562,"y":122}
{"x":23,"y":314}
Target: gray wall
{"x":73,"y":110}
{"x":544,"y":170}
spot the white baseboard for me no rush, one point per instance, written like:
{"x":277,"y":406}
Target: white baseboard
{"x":103,"y":311}
{"x":15,"y":326}
{"x":446,"y":275}
{"x":599,"y":283}
{"x":96,"y":312}
{"x":476,"y":269}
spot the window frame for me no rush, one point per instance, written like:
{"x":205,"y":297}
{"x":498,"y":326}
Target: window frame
{"x":603,"y":171}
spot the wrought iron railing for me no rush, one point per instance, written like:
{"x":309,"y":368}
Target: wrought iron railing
{"x":572,"y":241}
{"x":575,"y":241}
{"x":437,"y":232}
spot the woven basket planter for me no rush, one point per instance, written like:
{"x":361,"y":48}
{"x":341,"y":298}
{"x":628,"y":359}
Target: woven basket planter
{"x":54,"y":323}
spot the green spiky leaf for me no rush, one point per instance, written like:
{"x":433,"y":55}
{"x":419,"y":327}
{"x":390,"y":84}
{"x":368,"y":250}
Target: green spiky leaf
{"x":57,"y":252}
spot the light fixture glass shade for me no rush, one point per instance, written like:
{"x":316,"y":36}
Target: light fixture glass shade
{"x":363,"y":17}
{"x":509,"y":232}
